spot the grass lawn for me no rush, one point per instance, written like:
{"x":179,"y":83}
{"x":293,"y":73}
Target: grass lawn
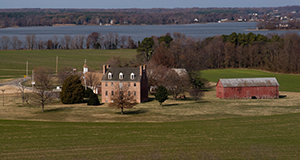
{"x":212,"y":128}
{"x":13,"y":63}
{"x":287,"y":82}
{"x":266,"y":137}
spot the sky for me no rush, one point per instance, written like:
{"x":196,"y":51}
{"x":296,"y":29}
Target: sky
{"x":143,"y":4}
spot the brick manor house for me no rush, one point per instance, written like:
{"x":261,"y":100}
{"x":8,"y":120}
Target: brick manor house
{"x":135,"y":79}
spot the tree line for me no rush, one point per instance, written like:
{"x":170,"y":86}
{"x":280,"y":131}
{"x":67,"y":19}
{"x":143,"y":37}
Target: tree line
{"x":48,"y":17}
{"x":94,"y":40}
{"x":276,"y":53}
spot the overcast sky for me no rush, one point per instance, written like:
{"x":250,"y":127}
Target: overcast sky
{"x":143,"y":3}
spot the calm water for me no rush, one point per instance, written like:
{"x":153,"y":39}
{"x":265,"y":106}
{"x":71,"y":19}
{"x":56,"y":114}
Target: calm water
{"x":138,"y":32}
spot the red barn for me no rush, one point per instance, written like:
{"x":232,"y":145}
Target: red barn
{"x":248,"y":88}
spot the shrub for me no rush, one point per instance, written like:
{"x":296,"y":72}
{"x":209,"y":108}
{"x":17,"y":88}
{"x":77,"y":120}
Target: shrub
{"x":93,"y":99}
{"x":161,"y":94}
{"x":88,"y":92}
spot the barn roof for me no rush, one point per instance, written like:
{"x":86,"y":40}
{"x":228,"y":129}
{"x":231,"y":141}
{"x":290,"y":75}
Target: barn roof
{"x":249,"y":82}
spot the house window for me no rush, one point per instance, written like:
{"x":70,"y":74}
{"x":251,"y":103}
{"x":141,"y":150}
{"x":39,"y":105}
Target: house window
{"x":112,"y":84}
{"x":128,"y":93}
{"x":105,"y":84}
{"x":134,"y":93}
{"x":134,"y":84}
{"x":120,"y":85}
{"x":121,"y":76}
{"x":109,"y":75}
{"x":129,"y":84}
{"x":112,"y":93}
{"x":106,"y":101}
{"x":132,"y":76}
{"x":106,"y":93}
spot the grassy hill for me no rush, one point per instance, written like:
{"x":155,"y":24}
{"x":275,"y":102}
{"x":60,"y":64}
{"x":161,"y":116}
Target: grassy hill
{"x":13,"y":63}
{"x":287,"y":82}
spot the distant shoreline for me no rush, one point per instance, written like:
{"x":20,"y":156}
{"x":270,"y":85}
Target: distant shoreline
{"x":273,"y":29}
{"x":258,"y":30}
{"x":58,"y":25}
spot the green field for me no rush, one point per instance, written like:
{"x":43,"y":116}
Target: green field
{"x":266,"y":137}
{"x":287,"y":82}
{"x":13,"y":63}
{"x":213,"y":128}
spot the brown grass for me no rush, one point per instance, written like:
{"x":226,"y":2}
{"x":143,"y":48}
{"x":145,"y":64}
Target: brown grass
{"x":209,"y":107}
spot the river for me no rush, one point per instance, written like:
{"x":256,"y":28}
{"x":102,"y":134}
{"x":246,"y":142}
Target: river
{"x":139,"y":32}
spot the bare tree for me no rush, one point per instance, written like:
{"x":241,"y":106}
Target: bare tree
{"x":24,"y":96}
{"x":68,"y":40}
{"x":74,"y":43}
{"x":175,"y":83}
{"x":64,"y":73}
{"x":163,"y":56}
{"x":62,"y":43}
{"x":196,"y":93}
{"x":16,"y":43}
{"x":42,"y":94}
{"x":94,"y":40}
{"x":93,"y":79}
{"x":41,"y":44}
{"x":55,"y":42}
{"x":123,"y":41}
{"x":81,"y":39}
{"x":5,"y":40}
{"x":49,"y":44}
{"x":130,"y":43}
{"x":155,"y":74}
{"x":116,"y":42}
{"x":122,"y":98}
{"x":115,"y":61}
{"x":30,"y":41}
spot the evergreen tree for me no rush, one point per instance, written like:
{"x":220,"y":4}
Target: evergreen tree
{"x":161,"y":94}
{"x":93,"y":99}
{"x":145,"y":48}
{"x":88,"y":92}
{"x":72,"y":90}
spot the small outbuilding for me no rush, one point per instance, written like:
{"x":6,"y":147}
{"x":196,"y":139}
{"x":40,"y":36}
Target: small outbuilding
{"x":248,"y":88}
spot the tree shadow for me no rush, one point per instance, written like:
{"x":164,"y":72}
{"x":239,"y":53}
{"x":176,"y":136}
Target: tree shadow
{"x":139,"y":111}
{"x":185,"y":99}
{"x":150,"y":99}
{"x":165,"y":105}
{"x":58,"y":109}
{"x":282,"y":96}
{"x":96,"y":105}
{"x":199,"y":101}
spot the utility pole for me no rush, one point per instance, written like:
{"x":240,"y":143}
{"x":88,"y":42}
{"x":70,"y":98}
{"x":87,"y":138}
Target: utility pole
{"x":32,"y":79}
{"x":3,"y":96}
{"x":26,"y":69}
{"x":56,"y":64}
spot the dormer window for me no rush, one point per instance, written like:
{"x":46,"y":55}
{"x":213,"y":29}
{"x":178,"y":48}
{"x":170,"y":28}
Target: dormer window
{"x":109,"y":75}
{"x":121,"y":76}
{"x":132,"y":76}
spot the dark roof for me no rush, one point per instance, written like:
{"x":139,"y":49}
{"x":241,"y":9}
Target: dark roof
{"x":249,"y":82}
{"x":126,"y":72}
